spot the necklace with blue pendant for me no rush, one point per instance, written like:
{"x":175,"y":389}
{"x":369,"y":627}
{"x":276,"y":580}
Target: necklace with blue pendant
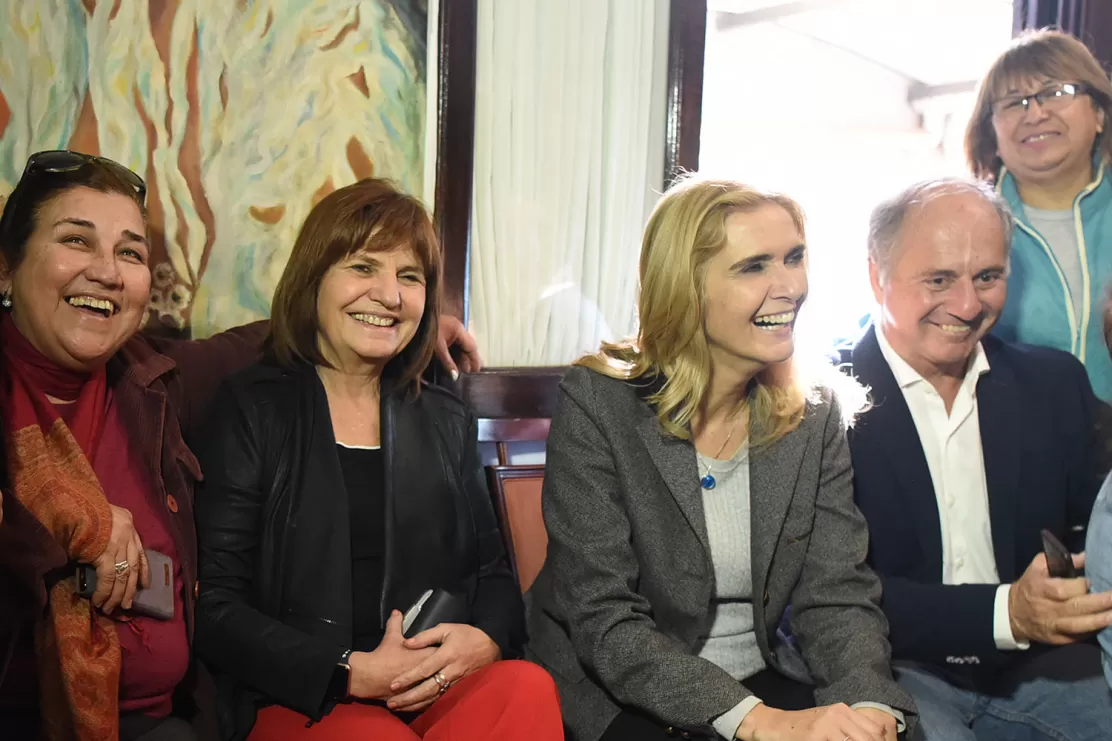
{"x":708,"y":481}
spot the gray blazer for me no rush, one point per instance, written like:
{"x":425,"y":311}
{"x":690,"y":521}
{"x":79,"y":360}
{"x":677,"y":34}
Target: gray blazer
{"x":618,"y":611}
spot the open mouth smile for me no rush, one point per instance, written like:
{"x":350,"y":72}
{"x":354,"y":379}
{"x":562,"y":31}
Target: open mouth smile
{"x":374,"y":320}
{"x":99,"y":306}
{"x":773,"y":322}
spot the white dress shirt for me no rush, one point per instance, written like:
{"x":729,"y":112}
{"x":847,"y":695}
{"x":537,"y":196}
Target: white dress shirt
{"x":952,"y":446}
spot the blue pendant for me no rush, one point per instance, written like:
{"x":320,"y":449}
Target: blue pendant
{"x":707,"y":482}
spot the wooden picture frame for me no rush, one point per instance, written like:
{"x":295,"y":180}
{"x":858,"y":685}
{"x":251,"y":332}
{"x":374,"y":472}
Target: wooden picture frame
{"x":531,"y":392}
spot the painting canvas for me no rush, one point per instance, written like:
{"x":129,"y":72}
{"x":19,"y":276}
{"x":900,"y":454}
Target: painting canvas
{"x":239,"y":114}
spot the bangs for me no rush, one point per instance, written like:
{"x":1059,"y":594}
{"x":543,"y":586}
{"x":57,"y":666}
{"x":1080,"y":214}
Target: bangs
{"x":1024,"y":70}
{"x":386,"y":226}
{"x":1043,"y":58}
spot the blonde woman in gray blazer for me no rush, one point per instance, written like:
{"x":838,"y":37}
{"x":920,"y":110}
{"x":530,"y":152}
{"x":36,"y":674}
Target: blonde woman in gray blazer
{"x":698,"y":484}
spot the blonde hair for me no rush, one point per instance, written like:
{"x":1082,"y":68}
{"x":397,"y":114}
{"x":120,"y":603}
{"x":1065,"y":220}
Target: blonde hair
{"x":687,"y":228}
{"x":1045,"y":54}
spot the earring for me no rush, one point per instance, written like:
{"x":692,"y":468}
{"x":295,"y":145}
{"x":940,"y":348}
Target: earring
{"x":6,"y":300}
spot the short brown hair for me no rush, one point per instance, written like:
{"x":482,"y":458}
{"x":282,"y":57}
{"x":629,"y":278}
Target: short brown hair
{"x":36,"y":189}
{"x":1043,"y":54}
{"x":371,"y":214}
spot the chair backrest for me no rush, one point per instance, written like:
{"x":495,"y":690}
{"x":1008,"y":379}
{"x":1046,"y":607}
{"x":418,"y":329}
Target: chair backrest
{"x":516,"y":491}
{"x":514,"y":406}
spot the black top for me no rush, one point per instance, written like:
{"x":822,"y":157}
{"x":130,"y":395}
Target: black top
{"x":363,"y":476}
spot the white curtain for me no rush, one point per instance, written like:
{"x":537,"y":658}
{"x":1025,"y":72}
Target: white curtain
{"x":568,"y":153}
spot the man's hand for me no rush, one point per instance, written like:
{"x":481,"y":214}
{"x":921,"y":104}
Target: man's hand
{"x":1056,"y":611}
{"x":452,"y":332}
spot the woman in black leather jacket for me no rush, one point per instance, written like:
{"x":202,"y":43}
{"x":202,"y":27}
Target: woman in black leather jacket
{"x":338,"y":489}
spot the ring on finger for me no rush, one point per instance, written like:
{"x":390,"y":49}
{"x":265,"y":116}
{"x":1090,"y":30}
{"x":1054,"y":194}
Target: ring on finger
{"x":122,"y":567}
{"x":441,"y":682}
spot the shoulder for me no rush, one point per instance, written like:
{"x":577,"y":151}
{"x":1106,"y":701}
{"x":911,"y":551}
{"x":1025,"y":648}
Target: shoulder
{"x":825,"y":409}
{"x":263,"y":378}
{"x":1032,"y":363}
{"x":264,"y":390}
{"x":442,"y":403}
{"x":583,"y":383}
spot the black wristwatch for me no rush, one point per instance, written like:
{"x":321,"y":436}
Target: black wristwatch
{"x":339,"y":687}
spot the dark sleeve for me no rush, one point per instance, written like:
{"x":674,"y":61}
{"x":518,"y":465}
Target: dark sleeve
{"x":595,"y":571}
{"x":28,"y":552}
{"x":934,"y":623}
{"x":285,"y":664}
{"x":1089,"y":446}
{"x":202,"y":365}
{"x":498,"y":609}
{"x":836,"y":613}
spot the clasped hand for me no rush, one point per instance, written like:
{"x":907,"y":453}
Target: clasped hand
{"x":404,"y":672}
{"x":1056,"y":611}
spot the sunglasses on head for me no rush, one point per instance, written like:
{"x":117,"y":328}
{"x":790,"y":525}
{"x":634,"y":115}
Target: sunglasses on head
{"x":58,"y":161}
{"x":63,"y":160}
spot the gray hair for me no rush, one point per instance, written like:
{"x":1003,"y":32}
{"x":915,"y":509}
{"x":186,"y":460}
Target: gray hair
{"x":888,"y":217}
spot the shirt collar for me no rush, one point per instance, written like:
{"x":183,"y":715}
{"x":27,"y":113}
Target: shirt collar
{"x":906,"y":376}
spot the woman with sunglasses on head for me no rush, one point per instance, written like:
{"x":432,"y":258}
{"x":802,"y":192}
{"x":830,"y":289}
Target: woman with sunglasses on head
{"x":1039,"y":132}
{"x":94,"y":468}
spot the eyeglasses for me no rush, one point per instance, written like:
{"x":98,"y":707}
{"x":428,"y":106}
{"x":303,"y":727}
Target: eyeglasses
{"x":57,"y":161}
{"x":1054,"y":97}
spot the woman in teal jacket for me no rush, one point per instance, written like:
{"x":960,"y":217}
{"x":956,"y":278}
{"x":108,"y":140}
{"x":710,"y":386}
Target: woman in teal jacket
{"x":1038,"y":132}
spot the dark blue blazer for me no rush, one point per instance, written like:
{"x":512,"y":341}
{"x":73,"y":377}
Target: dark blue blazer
{"x":1043,"y":466}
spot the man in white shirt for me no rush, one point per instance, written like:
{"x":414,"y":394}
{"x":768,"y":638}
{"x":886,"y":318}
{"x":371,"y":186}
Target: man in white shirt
{"x":972,"y":447}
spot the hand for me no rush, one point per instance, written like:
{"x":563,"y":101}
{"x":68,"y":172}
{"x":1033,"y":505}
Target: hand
{"x":1056,"y":611}
{"x":452,"y":332}
{"x":828,"y":723}
{"x":462,"y":649}
{"x":887,"y":721}
{"x":371,"y":672}
{"x":123,"y":545}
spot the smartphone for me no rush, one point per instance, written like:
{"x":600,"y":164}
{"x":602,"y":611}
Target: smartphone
{"x":432,"y":608}
{"x":156,"y":600}
{"x":1058,"y":559}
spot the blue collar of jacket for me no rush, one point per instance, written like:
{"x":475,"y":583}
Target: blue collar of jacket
{"x":1096,"y":195}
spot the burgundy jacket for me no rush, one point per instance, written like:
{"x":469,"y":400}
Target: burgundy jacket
{"x":163,"y":388}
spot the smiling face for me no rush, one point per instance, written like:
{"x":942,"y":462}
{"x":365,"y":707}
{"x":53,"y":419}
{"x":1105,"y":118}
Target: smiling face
{"x":754,"y":287}
{"x":83,"y":284}
{"x":1049,"y":142}
{"x":369,"y":307}
{"x":945,"y":286}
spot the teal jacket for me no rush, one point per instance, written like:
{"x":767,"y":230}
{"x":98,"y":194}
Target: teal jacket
{"x":1040,"y":307}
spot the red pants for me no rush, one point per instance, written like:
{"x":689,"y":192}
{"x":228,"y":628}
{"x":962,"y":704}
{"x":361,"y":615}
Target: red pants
{"x":506,"y":701}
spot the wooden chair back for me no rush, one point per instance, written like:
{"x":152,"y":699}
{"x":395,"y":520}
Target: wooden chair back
{"x":515,"y":406}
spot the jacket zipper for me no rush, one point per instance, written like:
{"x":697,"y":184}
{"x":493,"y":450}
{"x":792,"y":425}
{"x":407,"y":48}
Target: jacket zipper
{"x":1084,"y":255}
{"x":1070,"y":314}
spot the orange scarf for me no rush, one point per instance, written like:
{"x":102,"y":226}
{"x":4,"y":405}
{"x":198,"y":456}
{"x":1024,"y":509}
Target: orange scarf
{"x":51,"y":475}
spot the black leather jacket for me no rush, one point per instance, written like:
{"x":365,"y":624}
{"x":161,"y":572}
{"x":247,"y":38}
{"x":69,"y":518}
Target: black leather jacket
{"x":274,"y":610}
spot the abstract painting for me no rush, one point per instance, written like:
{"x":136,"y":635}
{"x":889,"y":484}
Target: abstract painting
{"x":239,"y":114}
